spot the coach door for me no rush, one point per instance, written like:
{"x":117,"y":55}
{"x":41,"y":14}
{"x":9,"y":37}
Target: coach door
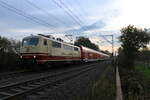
{"x":86,"y":56}
{"x":45,"y":46}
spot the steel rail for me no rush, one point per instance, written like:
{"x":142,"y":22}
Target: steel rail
{"x":19,"y":89}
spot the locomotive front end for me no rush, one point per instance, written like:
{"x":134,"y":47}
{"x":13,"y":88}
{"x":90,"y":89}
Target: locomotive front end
{"x":30,"y":50}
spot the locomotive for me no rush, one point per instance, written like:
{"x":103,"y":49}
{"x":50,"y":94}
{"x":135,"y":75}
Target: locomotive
{"x":43,"y":49}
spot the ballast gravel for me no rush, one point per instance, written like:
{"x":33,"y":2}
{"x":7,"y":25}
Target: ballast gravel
{"x":70,"y":89}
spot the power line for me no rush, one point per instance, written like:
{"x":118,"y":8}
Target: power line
{"x":106,"y":39}
{"x":24,"y":14}
{"x":71,"y":11}
{"x":83,"y":13}
{"x":66,"y":11}
{"x":49,"y":14}
{"x":112,"y":43}
{"x":80,"y":21}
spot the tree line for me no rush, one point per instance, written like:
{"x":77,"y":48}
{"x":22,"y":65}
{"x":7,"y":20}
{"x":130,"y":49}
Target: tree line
{"x":8,"y":54}
{"x":132,"y":40}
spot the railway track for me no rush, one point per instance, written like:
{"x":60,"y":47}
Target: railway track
{"x":15,"y":74}
{"x":7,"y":75}
{"x":20,"y":89}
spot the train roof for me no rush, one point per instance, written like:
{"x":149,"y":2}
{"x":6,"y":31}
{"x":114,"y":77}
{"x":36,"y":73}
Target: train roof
{"x":91,"y":50}
{"x":32,"y":36}
{"x":85,"y":48}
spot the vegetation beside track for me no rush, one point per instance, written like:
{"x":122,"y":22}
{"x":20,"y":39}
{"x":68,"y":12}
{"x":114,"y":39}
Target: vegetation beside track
{"x":144,"y":69}
{"x":103,"y":89}
{"x":135,"y":83}
{"x":143,"y":76}
{"x":133,"y":40}
{"x":8,"y":54}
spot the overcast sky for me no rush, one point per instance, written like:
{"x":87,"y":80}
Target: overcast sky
{"x":90,"y":18}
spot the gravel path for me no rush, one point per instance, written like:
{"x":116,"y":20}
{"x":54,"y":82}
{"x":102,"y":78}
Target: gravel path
{"x":72,"y":88}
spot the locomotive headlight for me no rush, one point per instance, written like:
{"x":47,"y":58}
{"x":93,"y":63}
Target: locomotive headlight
{"x":34,"y":56}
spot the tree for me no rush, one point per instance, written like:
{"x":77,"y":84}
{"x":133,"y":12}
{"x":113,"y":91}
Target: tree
{"x":86,"y":42}
{"x":5,"y":45}
{"x":15,"y":46}
{"x":8,"y":56}
{"x":132,"y":39}
{"x":143,"y":55}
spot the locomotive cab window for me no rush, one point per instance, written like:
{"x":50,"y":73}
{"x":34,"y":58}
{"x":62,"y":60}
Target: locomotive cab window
{"x":56,"y":44}
{"x":30,"y":41}
{"x":45,"y":42}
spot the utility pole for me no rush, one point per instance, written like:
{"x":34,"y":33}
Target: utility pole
{"x":112,"y":45}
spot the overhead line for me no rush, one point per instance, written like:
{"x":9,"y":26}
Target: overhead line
{"x":81,"y":9}
{"x":71,"y":11}
{"x":22,"y":13}
{"x":85,"y":15}
{"x":66,"y":11}
{"x":49,"y":14}
{"x":107,"y":39}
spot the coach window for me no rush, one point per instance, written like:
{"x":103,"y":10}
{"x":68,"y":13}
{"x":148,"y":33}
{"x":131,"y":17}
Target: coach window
{"x":67,"y":47}
{"x":45,"y":42}
{"x":75,"y":49}
{"x":56,"y":44}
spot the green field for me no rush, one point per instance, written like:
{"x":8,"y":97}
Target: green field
{"x":143,"y":68}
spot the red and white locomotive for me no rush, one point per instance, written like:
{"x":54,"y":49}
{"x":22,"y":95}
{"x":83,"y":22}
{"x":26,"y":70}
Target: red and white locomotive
{"x":42,"y":49}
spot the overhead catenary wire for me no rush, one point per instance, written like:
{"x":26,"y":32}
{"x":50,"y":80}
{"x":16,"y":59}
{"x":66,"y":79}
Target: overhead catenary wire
{"x":64,"y":7}
{"x":77,"y":9}
{"x":49,"y":14}
{"x":25,"y":15}
{"x":82,"y":11}
{"x":28,"y":16}
{"x":106,"y":39}
{"x":68,"y":13}
{"x":81,"y":8}
{"x":71,"y":12}
{"x":79,"y":19}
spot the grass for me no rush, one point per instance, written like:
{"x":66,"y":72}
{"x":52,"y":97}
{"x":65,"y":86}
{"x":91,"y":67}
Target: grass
{"x":103,"y":89}
{"x":135,"y":83}
{"x":143,"y":68}
{"x":141,"y":77}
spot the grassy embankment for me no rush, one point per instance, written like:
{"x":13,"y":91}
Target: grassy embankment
{"x":136,"y":82}
{"x":103,"y":89}
{"x":143,"y":70}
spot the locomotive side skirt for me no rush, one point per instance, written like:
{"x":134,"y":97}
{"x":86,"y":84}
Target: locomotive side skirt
{"x":43,"y":58}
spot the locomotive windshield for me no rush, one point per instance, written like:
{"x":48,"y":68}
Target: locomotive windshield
{"x":30,"y":41}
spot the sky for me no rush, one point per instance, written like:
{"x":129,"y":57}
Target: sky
{"x":89,"y":18}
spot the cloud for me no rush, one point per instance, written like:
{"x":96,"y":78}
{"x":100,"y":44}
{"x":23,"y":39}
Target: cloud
{"x":96,"y":25}
{"x":97,"y":15}
{"x":132,"y":12}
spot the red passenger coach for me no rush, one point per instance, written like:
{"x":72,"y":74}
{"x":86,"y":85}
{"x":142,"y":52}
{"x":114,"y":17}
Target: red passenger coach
{"x":88,"y":54}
